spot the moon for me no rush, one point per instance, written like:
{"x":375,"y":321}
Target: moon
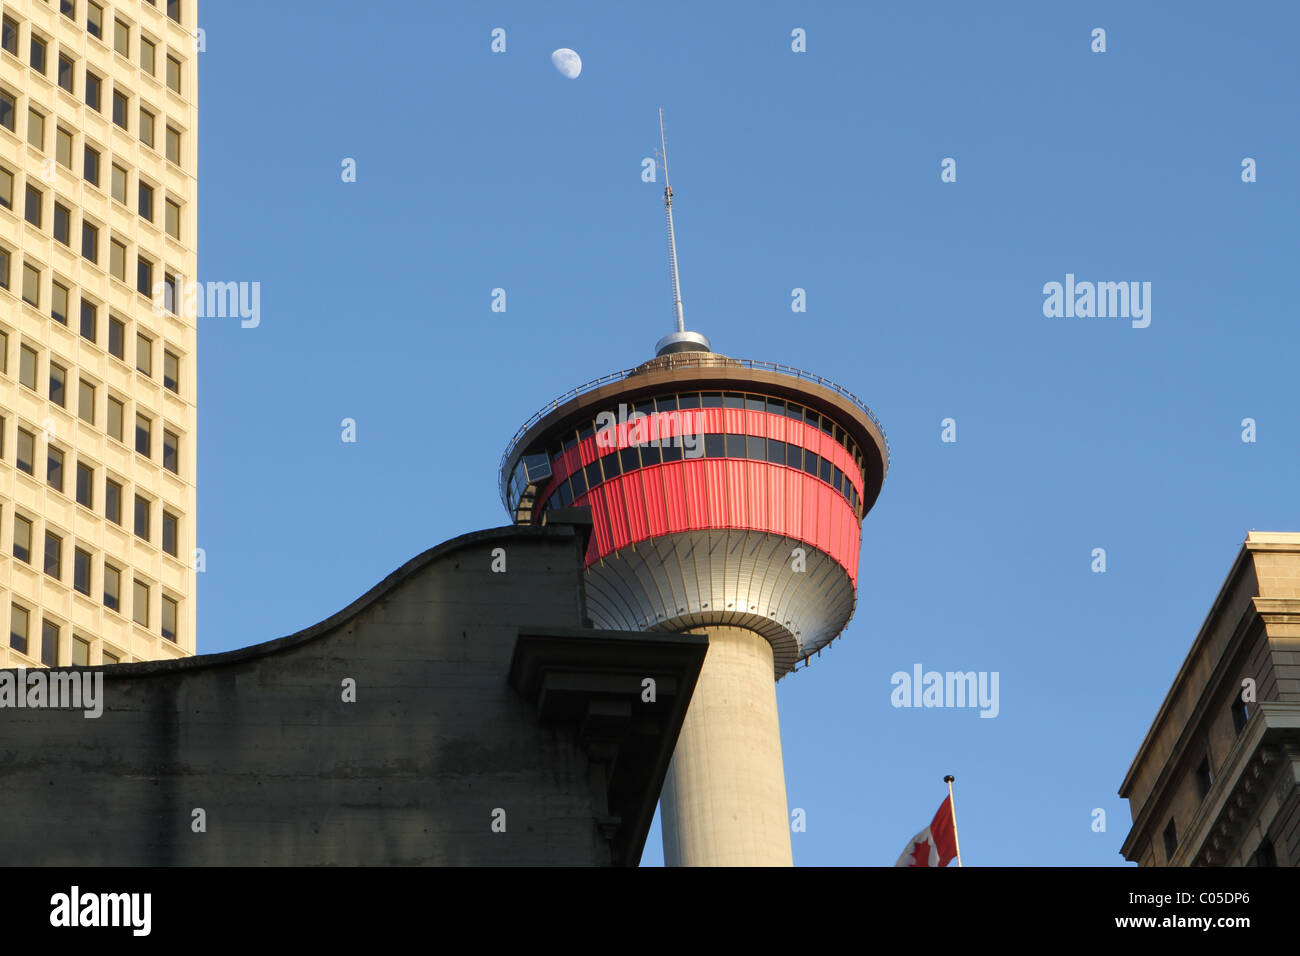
{"x":567,"y":62}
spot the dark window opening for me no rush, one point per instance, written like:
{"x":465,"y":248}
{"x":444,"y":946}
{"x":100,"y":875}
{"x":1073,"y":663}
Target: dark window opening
{"x":1240,"y":714}
{"x":1204,"y":779}
{"x":629,"y":459}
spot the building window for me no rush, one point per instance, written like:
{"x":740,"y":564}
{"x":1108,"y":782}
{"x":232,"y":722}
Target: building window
{"x":53,"y":555}
{"x":94,"y":85}
{"x":1204,"y":779}
{"x":91,"y":166}
{"x":1171,"y":840}
{"x":140,"y":604}
{"x":63,"y":223}
{"x":58,"y":385}
{"x":18,"y":621}
{"x":171,"y":292}
{"x":143,"y":434}
{"x":86,"y":401}
{"x":174,"y":145}
{"x":85,"y":485}
{"x":59,"y":300}
{"x":117,"y":338}
{"x":172,"y":223}
{"x":27,"y":366}
{"x":49,"y":644}
{"x":1240,"y":714}
{"x":63,"y":146}
{"x":148,"y":51}
{"x":4,"y":367}
{"x":113,"y":501}
{"x":144,"y":276}
{"x":38,"y":54}
{"x":173,"y":74}
{"x":116,"y":418}
{"x":6,"y":189}
{"x":81,"y":571}
{"x":171,"y":371}
{"x":89,"y":320}
{"x":95,"y":20}
{"x":9,"y":35}
{"x":80,"y":652}
{"x":27,"y":452}
{"x":117,"y":260}
{"x":8,"y":111}
{"x":146,"y":201}
{"x":171,"y":451}
{"x":36,"y":128}
{"x":35,"y":204}
{"x":141,"y":517}
{"x":174,"y":10}
{"x":146,"y":127}
{"x":1264,"y":855}
{"x":90,"y":241}
{"x":120,"y":105}
{"x":110,"y":657}
{"x":144,"y":354}
{"x":122,"y":38}
{"x":67,"y":70}
{"x":112,"y":587}
{"x":22,"y":539}
{"x":170,"y":533}
{"x":168,"y":618}
{"x":31,"y":285}
{"x":54,"y":468}
{"x":4,"y":268}
{"x":118,"y":184}
{"x":68,"y":8}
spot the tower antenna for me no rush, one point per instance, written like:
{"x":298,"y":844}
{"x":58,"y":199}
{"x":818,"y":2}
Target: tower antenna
{"x":678,"y":315}
{"x":679,"y":340}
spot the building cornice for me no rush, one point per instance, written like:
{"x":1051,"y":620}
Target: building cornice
{"x":1202,"y":639}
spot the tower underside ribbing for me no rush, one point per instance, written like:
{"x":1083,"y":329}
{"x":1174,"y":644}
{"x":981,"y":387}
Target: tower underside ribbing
{"x":794,"y":596}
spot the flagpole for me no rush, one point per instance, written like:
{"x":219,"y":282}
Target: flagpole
{"x":952,"y":806}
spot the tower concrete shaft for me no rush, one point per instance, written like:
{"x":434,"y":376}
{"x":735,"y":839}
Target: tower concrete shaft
{"x":723,"y":802}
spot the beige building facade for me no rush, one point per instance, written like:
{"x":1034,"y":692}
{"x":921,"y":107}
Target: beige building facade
{"x":1216,"y":781}
{"x":98,"y":241}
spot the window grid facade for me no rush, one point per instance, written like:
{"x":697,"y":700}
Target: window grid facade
{"x":97,"y":152}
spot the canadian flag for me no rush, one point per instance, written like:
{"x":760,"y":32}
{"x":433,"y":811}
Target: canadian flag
{"x":936,"y":845}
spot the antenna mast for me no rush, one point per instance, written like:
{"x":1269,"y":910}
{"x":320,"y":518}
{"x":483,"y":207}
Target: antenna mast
{"x":678,"y":315}
{"x":680,"y":340}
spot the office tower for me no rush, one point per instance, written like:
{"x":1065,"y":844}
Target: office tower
{"x":98,"y":161}
{"x":727,"y":498}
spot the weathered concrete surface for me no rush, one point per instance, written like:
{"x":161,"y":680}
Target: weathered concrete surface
{"x":287,"y":773}
{"x":724,"y":800}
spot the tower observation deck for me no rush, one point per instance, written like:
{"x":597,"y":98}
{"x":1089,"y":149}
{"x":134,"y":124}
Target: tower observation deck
{"x":727,"y":498}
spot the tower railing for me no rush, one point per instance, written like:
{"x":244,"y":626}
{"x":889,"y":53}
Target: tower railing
{"x":682,"y":360}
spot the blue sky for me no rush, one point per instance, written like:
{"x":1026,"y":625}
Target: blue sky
{"x":818,"y":170}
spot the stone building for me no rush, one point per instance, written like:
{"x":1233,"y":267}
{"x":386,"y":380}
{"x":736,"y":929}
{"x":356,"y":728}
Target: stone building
{"x":1216,"y":781}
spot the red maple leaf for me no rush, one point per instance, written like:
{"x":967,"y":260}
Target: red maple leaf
{"x":921,"y":853}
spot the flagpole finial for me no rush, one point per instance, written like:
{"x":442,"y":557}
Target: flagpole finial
{"x":949,"y":779}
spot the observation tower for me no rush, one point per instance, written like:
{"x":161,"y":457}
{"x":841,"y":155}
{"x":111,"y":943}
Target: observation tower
{"x":727,"y":498}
